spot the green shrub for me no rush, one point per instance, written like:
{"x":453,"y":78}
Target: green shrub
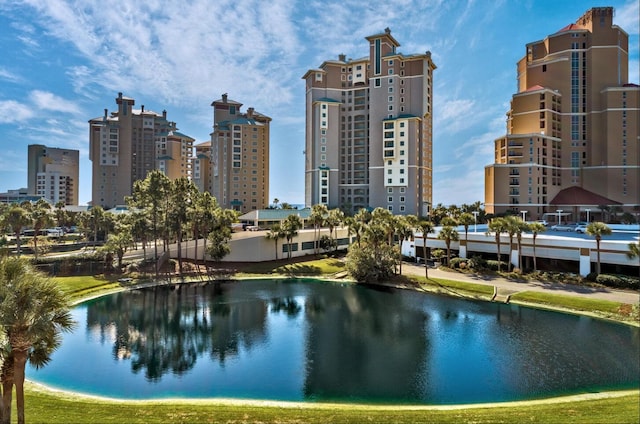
{"x":477,"y":263}
{"x":492,"y":265}
{"x":457,"y":263}
{"x":592,"y":276}
{"x":618,"y":281}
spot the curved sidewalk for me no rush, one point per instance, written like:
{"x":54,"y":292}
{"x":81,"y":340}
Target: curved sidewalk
{"x":510,"y":287}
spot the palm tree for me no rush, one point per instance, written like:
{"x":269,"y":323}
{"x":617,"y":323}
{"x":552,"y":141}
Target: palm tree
{"x":333,"y":220}
{"x":33,"y":311}
{"x":597,"y":230}
{"x":448,"y":234}
{"x":290,"y":227}
{"x":404,"y":229}
{"x":40,"y":218}
{"x":521,"y":227}
{"x":17,"y":218}
{"x":466,"y":219}
{"x":512,"y":226}
{"x":60,"y":214}
{"x":317,"y":217}
{"x":497,"y":226}
{"x":275,"y":233}
{"x":426,"y":227}
{"x":96,"y":221}
{"x":536,"y":228}
{"x":634,"y":252}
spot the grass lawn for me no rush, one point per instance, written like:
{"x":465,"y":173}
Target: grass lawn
{"x":317,"y":267}
{"x":570,"y":302}
{"x":53,"y":407}
{"x":80,"y":287}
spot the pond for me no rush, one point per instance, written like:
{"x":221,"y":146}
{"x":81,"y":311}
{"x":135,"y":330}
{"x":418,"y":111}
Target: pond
{"x":306,"y":340}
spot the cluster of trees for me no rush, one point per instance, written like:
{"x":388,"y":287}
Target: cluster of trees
{"x":161,"y":211}
{"x":33,"y":312}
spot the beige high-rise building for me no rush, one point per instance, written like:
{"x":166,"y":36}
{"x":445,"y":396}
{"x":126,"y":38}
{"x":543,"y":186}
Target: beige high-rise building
{"x":572,"y":141}
{"x":127,"y":144}
{"x":202,"y":167}
{"x":369,"y":130}
{"x":53,"y":174}
{"x":239,"y":156}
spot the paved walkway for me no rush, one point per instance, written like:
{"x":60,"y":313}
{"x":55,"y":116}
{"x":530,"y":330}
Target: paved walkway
{"x":508,"y":287}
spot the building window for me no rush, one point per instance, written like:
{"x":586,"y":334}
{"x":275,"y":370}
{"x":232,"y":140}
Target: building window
{"x":389,"y":181}
{"x":376,"y":82}
{"x":318,"y":76}
{"x":390,"y":199}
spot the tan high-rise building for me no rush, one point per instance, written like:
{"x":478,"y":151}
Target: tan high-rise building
{"x":573,"y":128}
{"x":53,"y":173}
{"x":369,"y":130}
{"x":129,"y":143}
{"x":239,"y":156}
{"x":202,"y":167}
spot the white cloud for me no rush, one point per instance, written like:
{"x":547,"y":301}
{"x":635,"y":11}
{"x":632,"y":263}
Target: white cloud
{"x":14,"y":112}
{"x":626,"y":17}
{"x":180,"y":54}
{"x":453,"y":113}
{"x":9,"y":76}
{"x":44,"y":100}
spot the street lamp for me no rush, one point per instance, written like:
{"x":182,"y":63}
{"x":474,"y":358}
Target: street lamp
{"x":524,"y":213}
{"x":588,"y":210}
{"x":559,"y":216}
{"x":475,"y":221}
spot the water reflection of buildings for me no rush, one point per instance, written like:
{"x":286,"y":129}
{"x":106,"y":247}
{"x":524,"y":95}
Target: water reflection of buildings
{"x":378,"y":341}
{"x":164,"y":330}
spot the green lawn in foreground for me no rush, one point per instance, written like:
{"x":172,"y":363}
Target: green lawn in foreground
{"x":52,"y":408}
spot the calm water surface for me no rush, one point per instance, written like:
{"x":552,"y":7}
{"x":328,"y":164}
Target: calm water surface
{"x":308,"y":340}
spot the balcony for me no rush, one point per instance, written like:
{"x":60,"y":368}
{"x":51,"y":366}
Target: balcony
{"x":514,"y":182}
{"x":514,"y":154}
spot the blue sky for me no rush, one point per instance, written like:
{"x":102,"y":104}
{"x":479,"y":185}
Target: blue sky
{"x":63,"y":62}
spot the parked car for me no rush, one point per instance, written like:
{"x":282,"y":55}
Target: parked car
{"x":563,"y":227}
{"x":581,"y":228}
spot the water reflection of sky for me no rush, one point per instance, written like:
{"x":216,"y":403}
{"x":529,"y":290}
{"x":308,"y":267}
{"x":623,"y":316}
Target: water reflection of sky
{"x":318,"y":341}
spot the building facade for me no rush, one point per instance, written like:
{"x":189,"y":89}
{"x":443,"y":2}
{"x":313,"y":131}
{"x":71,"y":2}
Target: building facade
{"x":368,"y":135}
{"x":127,"y":144}
{"x":239,"y":156}
{"x":202,"y":167}
{"x":573,"y":127}
{"x":52,"y":173}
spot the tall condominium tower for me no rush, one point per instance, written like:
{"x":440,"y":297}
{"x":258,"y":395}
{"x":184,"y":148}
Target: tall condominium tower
{"x":202,"y":167}
{"x":128,"y":144}
{"x":239,"y":156}
{"x":572,"y":131}
{"x":369,"y":130}
{"x":52,"y":173}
